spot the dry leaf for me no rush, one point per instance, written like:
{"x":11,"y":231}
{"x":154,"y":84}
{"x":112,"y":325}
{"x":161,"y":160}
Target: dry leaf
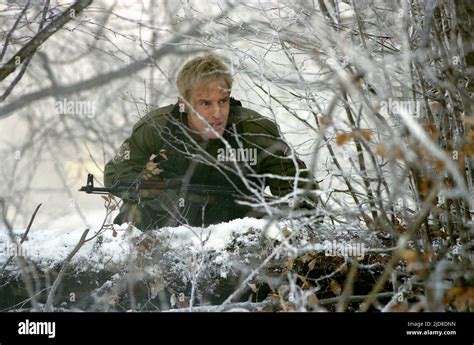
{"x":343,"y":138}
{"x":113,"y":300}
{"x":397,"y":152}
{"x":282,"y":290}
{"x":421,"y":151}
{"x":305,"y":258}
{"x":253,"y":287}
{"x":427,"y":256}
{"x":468,"y":120}
{"x":303,"y":279}
{"x":145,"y":245}
{"x":286,"y":232}
{"x":469,"y":148}
{"x":324,"y":120}
{"x":289,"y":264}
{"x":413,"y":261}
{"x":432,"y":130}
{"x":114,"y":233}
{"x":313,"y":298}
{"x":439,"y":165}
{"x":399,"y":307}
{"x":409,"y":256}
{"x":311,"y":264}
{"x":470,"y":135}
{"x":452,"y":293}
{"x":380,"y":150}
{"x":436,"y":106}
{"x":335,"y":287}
{"x":156,"y":287}
{"x":425,"y":186}
{"x":460,"y":297}
{"x":274,"y":296}
{"x":439,"y":233}
{"x":142,"y":249}
{"x":366,"y":134}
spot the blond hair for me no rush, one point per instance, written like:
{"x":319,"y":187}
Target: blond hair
{"x":202,"y":69}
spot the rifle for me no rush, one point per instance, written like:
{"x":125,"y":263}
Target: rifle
{"x":152,"y":189}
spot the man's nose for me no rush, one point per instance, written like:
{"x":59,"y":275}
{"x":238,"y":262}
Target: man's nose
{"x":216,"y":112}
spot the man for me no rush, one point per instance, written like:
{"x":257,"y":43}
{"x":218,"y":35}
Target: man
{"x":206,"y":139}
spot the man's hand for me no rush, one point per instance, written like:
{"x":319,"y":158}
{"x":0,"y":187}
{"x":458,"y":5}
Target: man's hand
{"x":151,"y":168}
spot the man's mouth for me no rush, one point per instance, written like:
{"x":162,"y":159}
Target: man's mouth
{"x":218,"y":126}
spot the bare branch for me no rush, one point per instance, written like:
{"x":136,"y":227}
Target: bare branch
{"x":27,"y":51}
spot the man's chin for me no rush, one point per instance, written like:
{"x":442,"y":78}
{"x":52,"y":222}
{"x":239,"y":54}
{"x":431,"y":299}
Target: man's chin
{"x":213,"y":134}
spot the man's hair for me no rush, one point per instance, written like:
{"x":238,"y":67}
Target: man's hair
{"x":202,"y":69}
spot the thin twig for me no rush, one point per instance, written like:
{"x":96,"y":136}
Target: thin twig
{"x":23,"y":238}
{"x":49,"y":302}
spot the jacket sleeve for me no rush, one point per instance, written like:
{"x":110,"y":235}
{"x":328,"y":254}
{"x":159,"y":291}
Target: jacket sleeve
{"x":275,"y":159}
{"x":129,"y":162}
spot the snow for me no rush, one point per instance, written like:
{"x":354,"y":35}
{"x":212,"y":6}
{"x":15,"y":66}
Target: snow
{"x":50,"y":247}
{"x":215,"y":236}
{"x":180,"y":259}
{"x":222,"y":246}
{"x":54,"y":244}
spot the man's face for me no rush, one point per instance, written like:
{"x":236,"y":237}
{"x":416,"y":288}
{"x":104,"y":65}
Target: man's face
{"x":211,"y":101}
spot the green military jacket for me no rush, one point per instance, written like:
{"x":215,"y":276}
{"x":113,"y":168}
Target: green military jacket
{"x":250,"y":156}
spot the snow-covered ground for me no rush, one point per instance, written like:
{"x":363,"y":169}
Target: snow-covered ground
{"x":213,"y":262}
{"x":50,"y":247}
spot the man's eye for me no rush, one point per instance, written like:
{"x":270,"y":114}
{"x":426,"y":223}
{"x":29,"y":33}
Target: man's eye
{"x":223,"y":101}
{"x":205,"y":104}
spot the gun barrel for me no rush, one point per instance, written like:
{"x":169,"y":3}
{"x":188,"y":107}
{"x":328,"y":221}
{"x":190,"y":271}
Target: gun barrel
{"x":95,"y":190}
